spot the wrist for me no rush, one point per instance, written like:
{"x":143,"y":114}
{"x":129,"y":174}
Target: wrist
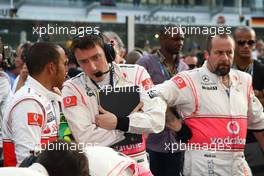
{"x":122,"y":123}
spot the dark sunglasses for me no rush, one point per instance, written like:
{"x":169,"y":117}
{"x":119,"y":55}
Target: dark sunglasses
{"x":243,"y":42}
{"x":192,"y":66}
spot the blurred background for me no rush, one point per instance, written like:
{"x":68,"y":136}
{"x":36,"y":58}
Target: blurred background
{"x":18,"y":18}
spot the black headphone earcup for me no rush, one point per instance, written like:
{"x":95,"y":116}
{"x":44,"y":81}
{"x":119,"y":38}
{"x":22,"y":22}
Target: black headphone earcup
{"x":109,"y":52}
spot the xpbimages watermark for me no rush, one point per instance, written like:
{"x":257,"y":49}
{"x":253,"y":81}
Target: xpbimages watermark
{"x":64,"y":30}
{"x":197,"y":30}
{"x":63,"y":146}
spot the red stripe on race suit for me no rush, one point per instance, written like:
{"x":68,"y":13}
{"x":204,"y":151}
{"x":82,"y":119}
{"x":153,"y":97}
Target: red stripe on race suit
{"x":9,"y":154}
{"x":130,"y":149}
{"x":219,"y":133}
{"x":9,"y":151}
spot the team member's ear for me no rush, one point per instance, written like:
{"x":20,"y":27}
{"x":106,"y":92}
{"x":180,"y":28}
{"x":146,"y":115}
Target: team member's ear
{"x":52,"y":67}
{"x":206,"y":55}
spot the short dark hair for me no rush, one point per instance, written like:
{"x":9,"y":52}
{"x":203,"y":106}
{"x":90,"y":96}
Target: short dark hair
{"x":25,"y":50}
{"x":65,"y":159}
{"x":210,"y":38}
{"x":87,"y":42}
{"x":244,"y":29}
{"x":40,"y":54}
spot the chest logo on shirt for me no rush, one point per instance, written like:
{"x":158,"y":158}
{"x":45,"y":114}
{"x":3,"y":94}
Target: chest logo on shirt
{"x":179,"y":82}
{"x":233,"y":127}
{"x":205,"y":78}
{"x":69,"y":101}
{"x":207,"y":84}
{"x":89,"y":91}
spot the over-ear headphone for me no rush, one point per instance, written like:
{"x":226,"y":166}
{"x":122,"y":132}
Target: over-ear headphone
{"x":109,"y":52}
{"x":108,"y":48}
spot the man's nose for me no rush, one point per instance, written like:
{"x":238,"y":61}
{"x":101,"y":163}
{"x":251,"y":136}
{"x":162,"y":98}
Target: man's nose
{"x":92,"y":66}
{"x":225,"y":56}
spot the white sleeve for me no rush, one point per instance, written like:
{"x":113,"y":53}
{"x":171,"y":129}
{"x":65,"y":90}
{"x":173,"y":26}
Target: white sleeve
{"x":255,"y":113}
{"x":28,"y":119}
{"x":152,"y":119}
{"x":5,"y":88}
{"x":80,"y":118}
{"x":174,"y":93}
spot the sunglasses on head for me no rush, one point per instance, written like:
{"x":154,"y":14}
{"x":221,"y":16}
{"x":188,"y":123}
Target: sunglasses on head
{"x":243,"y":42}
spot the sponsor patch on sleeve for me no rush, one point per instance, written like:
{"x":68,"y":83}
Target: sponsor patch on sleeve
{"x":69,"y":101}
{"x":35,"y":119}
{"x":179,"y":82}
{"x":147,"y":83}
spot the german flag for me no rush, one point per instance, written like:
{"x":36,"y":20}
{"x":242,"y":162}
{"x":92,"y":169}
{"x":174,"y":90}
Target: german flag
{"x":109,"y":16}
{"x":257,"y":21}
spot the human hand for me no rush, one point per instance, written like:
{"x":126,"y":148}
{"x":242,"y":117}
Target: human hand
{"x":106,"y":119}
{"x":171,"y":114}
{"x":174,"y":124}
{"x":260,"y":95}
{"x":138,"y":108}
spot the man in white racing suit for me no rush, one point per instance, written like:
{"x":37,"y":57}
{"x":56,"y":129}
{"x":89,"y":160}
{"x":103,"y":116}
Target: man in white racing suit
{"x":80,"y":101}
{"x":5,"y":89}
{"x":106,"y":161}
{"x":32,"y":116}
{"x":218,"y":105}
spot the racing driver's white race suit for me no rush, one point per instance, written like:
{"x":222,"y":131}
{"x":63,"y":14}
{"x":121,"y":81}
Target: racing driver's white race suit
{"x":80,"y":106}
{"x":218,"y":118}
{"x":31,"y":119}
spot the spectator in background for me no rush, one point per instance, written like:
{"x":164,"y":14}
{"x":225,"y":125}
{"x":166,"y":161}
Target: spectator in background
{"x":245,"y":38}
{"x":111,"y":37}
{"x":260,"y":50}
{"x":133,"y":56}
{"x":161,"y":66}
{"x":9,"y":64}
{"x":195,"y":50}
{"x":73,"y":67}
{"x":191,"y":61}
{"x":22,"y":53}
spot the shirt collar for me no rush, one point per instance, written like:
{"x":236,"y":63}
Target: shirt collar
{"x":249,"y":68}
{"x":234,"y":79}
{"x":162,"y":57}
{"x":43,"y":90}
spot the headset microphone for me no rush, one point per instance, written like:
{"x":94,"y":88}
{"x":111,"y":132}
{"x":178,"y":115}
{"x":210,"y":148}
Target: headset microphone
{"x":99,"y":73}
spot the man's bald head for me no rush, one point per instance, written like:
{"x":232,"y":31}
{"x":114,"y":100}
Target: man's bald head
{"x":171,"y":39}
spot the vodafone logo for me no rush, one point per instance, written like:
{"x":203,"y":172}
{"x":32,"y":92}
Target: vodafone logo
{"x":68,"y":100}
{"x":147,"y":83}
{"x":35,"y":117}
{"x":179,"y":82}
{"x":233,"y":127}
